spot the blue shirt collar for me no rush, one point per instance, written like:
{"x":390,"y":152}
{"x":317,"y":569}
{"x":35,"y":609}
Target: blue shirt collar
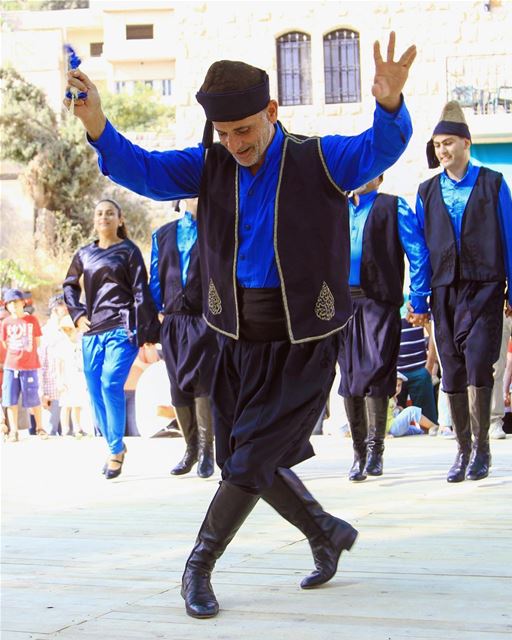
{"x":188,"y":220}
{"x":469,"y":176}
{"x":365,"y":199}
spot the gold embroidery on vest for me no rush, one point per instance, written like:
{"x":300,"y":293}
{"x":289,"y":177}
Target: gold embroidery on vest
{"x":324,"y":307}
{"x":214,"y":302}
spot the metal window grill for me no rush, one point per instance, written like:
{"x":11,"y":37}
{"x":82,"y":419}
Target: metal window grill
{"x":294,"y":68}
{"x":342,"y":67}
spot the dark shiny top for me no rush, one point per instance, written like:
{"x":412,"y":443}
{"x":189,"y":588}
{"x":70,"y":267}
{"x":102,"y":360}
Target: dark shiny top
{"x":115,"y":284}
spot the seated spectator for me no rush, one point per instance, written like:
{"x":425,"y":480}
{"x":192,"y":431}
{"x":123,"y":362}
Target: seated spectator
{"x":408,"y":421}
{"x":416,"y":363}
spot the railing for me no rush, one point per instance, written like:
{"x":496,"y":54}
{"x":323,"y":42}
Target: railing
{"x":480,"y":83}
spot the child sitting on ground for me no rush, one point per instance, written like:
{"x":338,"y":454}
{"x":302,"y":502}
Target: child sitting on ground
{"x":408,"y":421}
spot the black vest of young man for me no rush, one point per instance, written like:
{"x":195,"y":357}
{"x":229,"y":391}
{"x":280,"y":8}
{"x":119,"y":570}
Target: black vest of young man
{"x":311,"y":242}
{"x":175,"y":297}
{"x":481,"y":256}
{"x":382,"y":259}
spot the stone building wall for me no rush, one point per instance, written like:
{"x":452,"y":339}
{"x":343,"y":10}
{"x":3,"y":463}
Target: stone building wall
{"x":201,"y":32}
{"x":248,"y":31}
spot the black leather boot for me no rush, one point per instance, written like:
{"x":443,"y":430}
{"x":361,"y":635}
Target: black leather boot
{"x":187,"y":423}
{"x":227,"y":511}
{"x":205,"y":461}
{"x":377,"y":412}
{"x":328,"y":536}
{"x":480,"y":399}
{"x":356,"y":415}
{"x":459,"y":410}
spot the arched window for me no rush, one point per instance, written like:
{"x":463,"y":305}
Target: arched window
{"x":294,"y":68}
{"x":341,"y":66}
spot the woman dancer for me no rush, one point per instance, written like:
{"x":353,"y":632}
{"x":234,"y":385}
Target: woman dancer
{"x":117,"y":317}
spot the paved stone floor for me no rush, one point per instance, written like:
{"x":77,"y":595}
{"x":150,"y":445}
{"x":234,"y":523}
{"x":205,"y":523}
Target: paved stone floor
{"x":85,"y":558}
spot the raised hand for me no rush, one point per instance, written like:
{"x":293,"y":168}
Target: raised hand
{"x":390,"y":76}
{"x":88,"y":109}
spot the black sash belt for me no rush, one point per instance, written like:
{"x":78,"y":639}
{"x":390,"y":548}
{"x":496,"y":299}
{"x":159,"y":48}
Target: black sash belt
{"x":262,"y":317}
{"x":357,"y":292}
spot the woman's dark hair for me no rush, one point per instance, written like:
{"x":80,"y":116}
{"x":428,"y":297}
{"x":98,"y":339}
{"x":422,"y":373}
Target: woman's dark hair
{"x":121,"y":230}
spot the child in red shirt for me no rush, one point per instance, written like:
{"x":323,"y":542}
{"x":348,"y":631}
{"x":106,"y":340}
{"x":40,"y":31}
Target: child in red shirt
{"x":20,"y":334}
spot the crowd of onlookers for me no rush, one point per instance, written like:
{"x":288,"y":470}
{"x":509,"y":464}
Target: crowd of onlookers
{"x":49,"y":394}
{"x":43,"y":383}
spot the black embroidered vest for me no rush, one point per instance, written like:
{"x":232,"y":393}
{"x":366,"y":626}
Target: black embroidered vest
{"x":382,"y":260}
{"x":481,"y":256}
{"x":311,"y":242}
{"x":175,"y":297}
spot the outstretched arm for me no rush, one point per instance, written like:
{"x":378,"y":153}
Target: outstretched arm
{"x":161,"y":175}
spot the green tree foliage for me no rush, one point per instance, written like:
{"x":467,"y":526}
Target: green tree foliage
{"x":56,"y":5}
{"x":141,"y":111}
{"x":43,"y":5}
{"x":61,"y":173}
{"x":12,"y":275}
{"x":60,"y":169}
{"x":27,"y":123}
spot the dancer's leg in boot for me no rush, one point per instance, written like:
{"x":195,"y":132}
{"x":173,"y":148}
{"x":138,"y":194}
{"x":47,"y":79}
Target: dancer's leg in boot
{"x":356,"y":415}
{"x":187,"y":423}
{"x":480,"y":399}
{"x":328,"y":536}
{"x":205,"y":461}
{"x":227,"y":511}
{"x":377,"y":411}
{"x":459,"y":410}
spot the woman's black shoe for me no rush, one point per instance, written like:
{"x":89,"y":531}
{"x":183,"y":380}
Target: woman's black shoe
{"x":110,"y":474}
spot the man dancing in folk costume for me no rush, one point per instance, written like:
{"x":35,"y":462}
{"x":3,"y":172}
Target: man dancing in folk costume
{"x":275,"y":280}
{"x":464,"y":217}
{"x":380,"y":230}
{"x":189,"y":346}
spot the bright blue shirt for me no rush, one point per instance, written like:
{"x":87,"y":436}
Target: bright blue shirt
{"x":358,"y":216}
{"x":456,"y":194}
{"x":186,"y":237}
{"x":154,"y":276}
{"x":410,"y":237}
{"x":172,"y":175}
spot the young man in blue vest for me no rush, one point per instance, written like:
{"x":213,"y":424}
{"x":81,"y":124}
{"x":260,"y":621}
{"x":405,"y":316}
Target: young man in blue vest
{"x":189,"y":346}
{"x":464,"y":215}
{"x":380,"y":231}
{"x":275,"y":251}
